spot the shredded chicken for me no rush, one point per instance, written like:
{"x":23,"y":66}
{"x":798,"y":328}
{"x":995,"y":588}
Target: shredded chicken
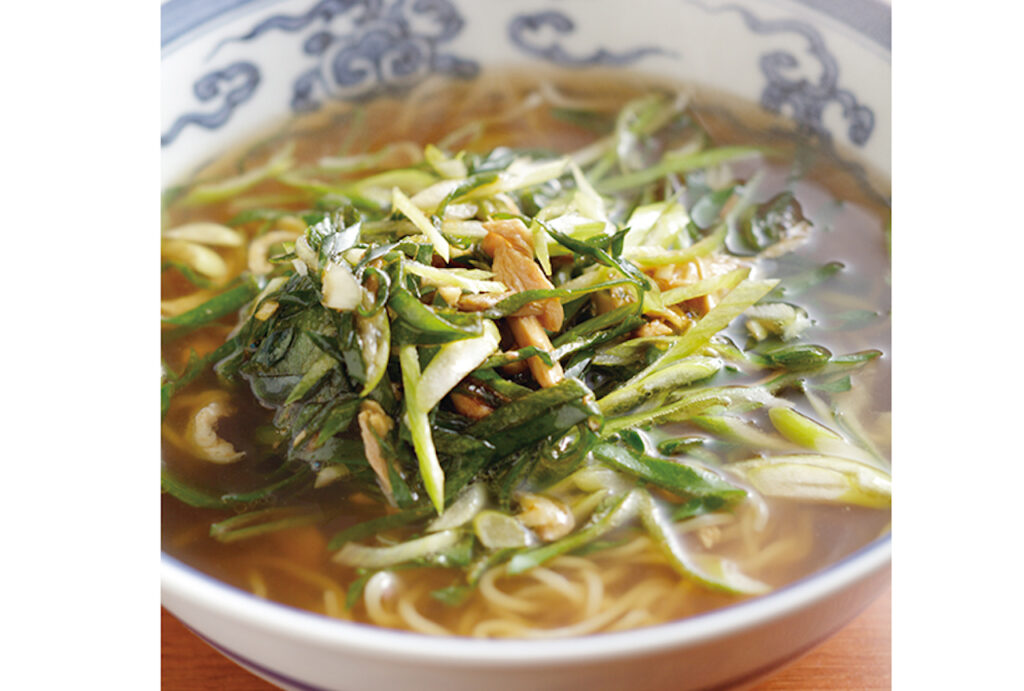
{"x":329,"y":474}
{"x":201,"y":433}
{"x":470,"y":407}
{"x":528,"y":332}
{"x":514,"y":368}
{"x":654,"y":327}
{"x":674,"y":275}
{"x":508,"y":242}
{"x":266,"y":310}
{"x":375,"y":423}
{"x":549,"y":518}
{"x":450,"y":294}
{"x":478,"y":302}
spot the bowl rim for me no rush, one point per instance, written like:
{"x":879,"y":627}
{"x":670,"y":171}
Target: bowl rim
{"x":180,"y":19}
{"x":234,"y":604}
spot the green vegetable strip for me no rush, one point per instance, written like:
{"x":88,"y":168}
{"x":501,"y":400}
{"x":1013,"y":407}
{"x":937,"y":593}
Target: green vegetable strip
{"x":283,"y":485}
{"x":800,"y":429}
{"x":452,"y":363}
{"x":209,"y":193}
{"x":675,"y":376}
{"x":692,"y":404}
{"x":739,"y":431}
{"x":821,"y":478}
{"x":375,"y":339}
{"x":514,"y":302}
{"x":802,"y":356}
{"x":834,"y":367}
{"x":698,"y":335}
{"x":263,"y":521}
{"x":193,"y":369}
{"x":600,"y":256}
{"x":419,"y":426}
{"x":678,"y":478}
{"x":188,"y":494}
{"x":508,"y":357}
{"x":674,"y":164}
{"x":702,"y":248}
{"x":381,"y":185}
{"x":732,"y":305}
{"x":402,"y":203}
{"x":524,"y":411}
{"x":601,"y":321}
{"x":363,"y":556}
{"x":708,"y":570}
{"x":228,"y":302}
{"x":419,"y":324}
{"x":705,"y":286}
{"x":583,"y":348}
{"x":320,"y":368}
{"x":375,"y":526}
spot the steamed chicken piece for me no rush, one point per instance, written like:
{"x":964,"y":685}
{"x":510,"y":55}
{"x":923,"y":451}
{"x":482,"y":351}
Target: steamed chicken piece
{"x":549,"y":518}
{"x":375,"y":423}
{"x":201,"y":431}
{"x":507,"y":241}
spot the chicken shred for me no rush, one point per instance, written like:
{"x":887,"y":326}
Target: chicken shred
{"x":549,"y":518}
{"x":470,"y":407}
{"x":202,"y":432}
{"x":508,"y":242}
{"x":374,"y":423}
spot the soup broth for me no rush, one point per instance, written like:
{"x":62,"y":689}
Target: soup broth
{"x":671,"y":493}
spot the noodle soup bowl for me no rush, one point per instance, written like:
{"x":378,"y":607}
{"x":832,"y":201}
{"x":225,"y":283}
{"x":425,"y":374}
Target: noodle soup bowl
{"x":232,"y":70}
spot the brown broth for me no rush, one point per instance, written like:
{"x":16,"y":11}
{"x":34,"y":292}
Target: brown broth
{"x":821,"y":535}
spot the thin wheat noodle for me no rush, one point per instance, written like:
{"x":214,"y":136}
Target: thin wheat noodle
{"x":176,"y":306}
{"x":595,"y":591}
{"x":332,"y":607}
{"x":627,"y":550}
{"x":586,"y":626}
{"x":257,"y":584}
{"x":489,"y":590}
{"x":416,"y":621}
{"x":377,"y":588}
{"x":633,"y":619}
{"x":307,"y":576}
{"x":557,"y":582}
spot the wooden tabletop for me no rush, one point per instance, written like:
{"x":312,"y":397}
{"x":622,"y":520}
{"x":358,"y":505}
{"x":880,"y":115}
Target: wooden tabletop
{"x":858,"y":657}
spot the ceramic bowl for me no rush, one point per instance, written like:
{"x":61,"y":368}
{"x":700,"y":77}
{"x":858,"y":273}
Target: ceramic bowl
{"x":230,"y":68}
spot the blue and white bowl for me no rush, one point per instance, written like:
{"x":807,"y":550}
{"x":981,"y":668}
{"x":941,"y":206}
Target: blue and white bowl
{"x":233,"y":68}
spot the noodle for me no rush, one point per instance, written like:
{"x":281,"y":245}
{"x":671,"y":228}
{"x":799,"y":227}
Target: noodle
{"x":414,"y":620}
{"x":501,"y":600}
{"x":257,"y":584}
{"x":557,"y":582}
{"x":380,"y":586}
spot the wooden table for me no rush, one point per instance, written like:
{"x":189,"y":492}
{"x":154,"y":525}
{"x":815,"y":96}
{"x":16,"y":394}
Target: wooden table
{"x":858,"y":657}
